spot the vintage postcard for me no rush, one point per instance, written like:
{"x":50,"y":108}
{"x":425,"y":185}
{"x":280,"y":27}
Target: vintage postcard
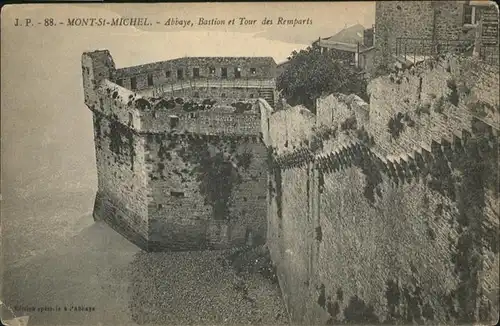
{"x":250,"y":163}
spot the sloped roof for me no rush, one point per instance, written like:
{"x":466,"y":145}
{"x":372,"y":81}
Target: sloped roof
{"x":339,"y":46}
{"x":350,"y":35}
{"x":284,"y":63}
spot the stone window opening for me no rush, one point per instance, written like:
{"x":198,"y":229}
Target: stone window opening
{"x":251,"y":95}
{"x":223,"y":72}
{"x":130,"y":118}
{"x":180,"y":74}
{"x":174,"y":121}
{"x":469,"y":15}
{"x":253,"y":71}
{"x":211,"y":70}
{"x":223,"y":95}
{"x":196,"y":72}
{"x":196,"y":94}
{"x":178,"y":194}
{"x":150,"y":80}
{"x":237,"y":72}
{"x":119,"y":82}
{"x":168,"y":74}
{"x":133,"y":83}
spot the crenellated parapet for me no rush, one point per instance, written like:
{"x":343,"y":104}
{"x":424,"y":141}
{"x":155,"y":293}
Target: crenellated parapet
{"x":401,"y":128}
{"x":180,"y":149}
{"x":424,"y":218}
{"x":212,"y":138}
{"x":297,"y":158}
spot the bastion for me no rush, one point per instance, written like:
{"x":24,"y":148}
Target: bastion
{"x":180,"y":160}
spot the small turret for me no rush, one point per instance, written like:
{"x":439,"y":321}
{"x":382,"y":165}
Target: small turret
{"x":96,"y":66}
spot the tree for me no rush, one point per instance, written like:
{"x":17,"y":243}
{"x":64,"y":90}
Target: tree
{"x":312,"y":73}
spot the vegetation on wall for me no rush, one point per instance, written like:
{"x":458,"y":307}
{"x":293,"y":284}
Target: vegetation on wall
{"x":410,"y":297}
{"x":216,"y":175}
{"x":320,"y":134}
{"x":165,"y":104}
{"x":359,"y":312}
{"x":395,"y":125}
{"x":423,"y":108}
{"x":372,"y":174}
{"x":311,"y":73}
{"x":163,"y":152}
{"x":275,"y":171}
{"x":356,"y":311}
{"x":98,"y":133}
{"x":97,"y":123}
{"x":191,"y":106}
{"x":218,"y":178}
{"x":464,"y":174}
{"x":453,"y":96}
{"x":440,"y":174}
{"x":244,"y":159}
{"x":478,"y":165}
{"x":162,"y":104}
{"x":142,"y":104}
{"x":439,"y":105}
{"x":409,"y":121}
{"x":481,"y":109}
{"x":241,"y":107}
{"x":117,"y":144}
{"x":279,"y":190}
{"x":365,"y":138}
{"x":382,"y":66}
{"x":349,"y":124}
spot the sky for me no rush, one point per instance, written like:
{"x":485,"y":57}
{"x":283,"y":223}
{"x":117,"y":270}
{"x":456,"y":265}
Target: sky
{"x":46,"y":130}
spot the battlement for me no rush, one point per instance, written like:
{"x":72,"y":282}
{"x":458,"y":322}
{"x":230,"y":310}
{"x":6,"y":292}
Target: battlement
{"x":451,"y":93}
{"x":455,"y":97}
{"x":139,"y":96}
{"x":159,"y":115}
{"x":183,"y":170}
{"x":199,"y":67}
{"x":393,"y":190}
{"x":181,"y":167}
{"x":219,"y":77}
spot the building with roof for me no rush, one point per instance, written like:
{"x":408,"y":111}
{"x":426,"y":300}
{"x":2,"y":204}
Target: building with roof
{"x":397,"y":38}
{"x":281,"y":67}
{"x":468,"y":27}
{"x":354,"y":44}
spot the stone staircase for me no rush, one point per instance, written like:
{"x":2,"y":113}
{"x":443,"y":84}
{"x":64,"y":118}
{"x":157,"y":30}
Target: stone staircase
{"x":268,"y":95}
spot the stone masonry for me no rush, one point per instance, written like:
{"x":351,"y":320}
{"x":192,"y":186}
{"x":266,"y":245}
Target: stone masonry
{"x":180,"y":173}
{"x":441,"y":25}
{"x":379,"y":212}
{"x":387,"y":212}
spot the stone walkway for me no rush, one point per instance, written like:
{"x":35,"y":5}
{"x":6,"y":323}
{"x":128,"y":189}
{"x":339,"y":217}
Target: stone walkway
{"x":56,"y":257}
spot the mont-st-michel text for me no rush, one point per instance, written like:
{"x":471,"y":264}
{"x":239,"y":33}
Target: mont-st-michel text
{"x":167,"y":22}
{"x":179,"y":22}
